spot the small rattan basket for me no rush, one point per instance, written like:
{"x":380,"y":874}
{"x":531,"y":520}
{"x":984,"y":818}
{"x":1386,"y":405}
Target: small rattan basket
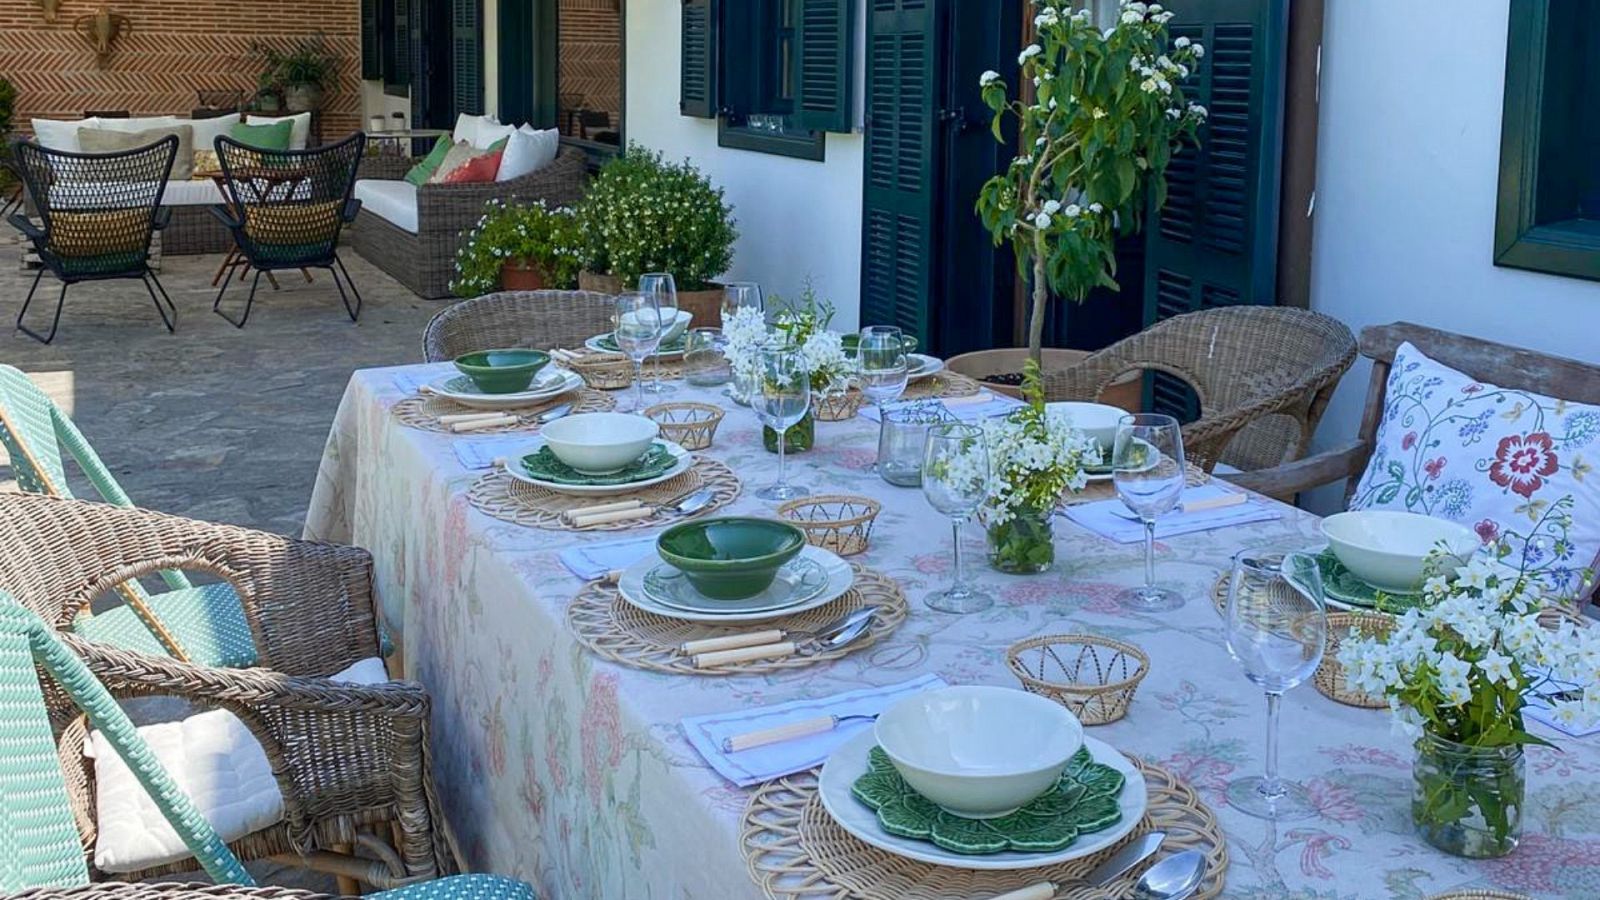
{"x":1094,"y":677}
{"x":837,"y":522}
{"x":691,"y":425}
{"x":838,"y":407}
{"x":1330,"y":680}
{"x":603,"y":371}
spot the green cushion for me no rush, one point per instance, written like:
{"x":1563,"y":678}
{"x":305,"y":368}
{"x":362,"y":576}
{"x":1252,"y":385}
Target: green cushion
{"x":423,"y":170}
{"x":266,"y":137}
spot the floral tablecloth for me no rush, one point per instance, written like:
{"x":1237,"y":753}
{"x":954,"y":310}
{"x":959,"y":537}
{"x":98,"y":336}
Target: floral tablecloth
{"x":571,"y":772}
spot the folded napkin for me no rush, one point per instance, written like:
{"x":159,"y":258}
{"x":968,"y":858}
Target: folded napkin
{"x":1540,"y":707}
{"x":1111,"y":519}
{"x":974,"y":408}
{"x":480,"y":453}
{"x":410,"y":379}
{"x":758,"y":764}
{"x":594,"y":560}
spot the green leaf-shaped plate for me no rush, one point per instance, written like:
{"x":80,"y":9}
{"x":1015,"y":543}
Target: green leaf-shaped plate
{"x":544,"y":466}
{"x":1342,"y":586}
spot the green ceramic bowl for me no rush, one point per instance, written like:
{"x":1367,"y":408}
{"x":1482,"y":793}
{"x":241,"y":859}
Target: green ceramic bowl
{"x":730,"y":558}
{"x":502,"y":371}
{"x":852,"y":342}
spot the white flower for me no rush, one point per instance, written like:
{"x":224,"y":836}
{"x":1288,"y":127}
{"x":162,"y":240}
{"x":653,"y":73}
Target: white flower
{"x":1072,"y":211}
{"x":1163,"y":18}
{"x":1148,"y":86}
{"x":1041,"y":221}
{"x":1096,"y":208}
{"x":1199,"y":51}
{"x":1052,"y":206}
{"x":1099,"y":113}
{"x":1029,"y":52}
{"x":1130,"y":17}
{"x":988,"y":78}
{"x":1496,"y":667}
{"x":1198,"y":111}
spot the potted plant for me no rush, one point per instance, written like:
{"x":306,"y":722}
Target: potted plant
{"x":303,"y":73}
{"x":643,"y":214}
{"x":518,"y":247}
{"x":1094,"y":140}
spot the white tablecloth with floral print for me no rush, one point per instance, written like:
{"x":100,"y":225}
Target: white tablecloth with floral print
{"x":571,"y":772}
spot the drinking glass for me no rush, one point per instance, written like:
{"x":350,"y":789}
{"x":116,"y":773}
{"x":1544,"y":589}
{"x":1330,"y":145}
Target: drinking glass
{"x":881,"y":366}
{"x":705,"y":360}
{"x":661,"y":286}
{"x":737,"y":295}
{"x":1147,"y":468}
{"x":1277,"y":626}
{"x":638,"y":334}
{"x":780,"y":400}
{"x":955,"y":471}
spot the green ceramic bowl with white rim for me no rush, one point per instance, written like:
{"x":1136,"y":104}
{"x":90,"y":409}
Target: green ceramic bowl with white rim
{"x":502,"y":371}
{"x":730,"y":557}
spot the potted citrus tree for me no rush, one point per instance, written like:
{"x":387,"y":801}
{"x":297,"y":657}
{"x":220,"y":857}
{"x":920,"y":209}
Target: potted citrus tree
{"x":518,"y":247}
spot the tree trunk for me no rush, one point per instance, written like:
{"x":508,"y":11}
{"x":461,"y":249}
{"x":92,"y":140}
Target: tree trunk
{"x":1041,"y":297}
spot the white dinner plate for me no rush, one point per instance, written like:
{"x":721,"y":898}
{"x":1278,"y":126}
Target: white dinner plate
{"x":799,"y":580}
{"x":929,"y":366}
{"x":840,"y":579}
{"x":515,"y":470}
{"x":597,"y":344}
{"x":849,"y":762}
{"x":552,"y":382}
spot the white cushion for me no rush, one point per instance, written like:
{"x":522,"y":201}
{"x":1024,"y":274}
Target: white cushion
{"x":489,"y":132}
{"x":195,"y":192}
{"x":57,"y":134}
{"x":466,"y":128}
{"x":478,"y":131}
{"x":1492,"y":458}
{"x":390,"y":199}
{"x":528,"y":150}
{"x":135,"y":124}
{"x":207,"y":130}
{"x":299,"y":135}
{"x":214,"y":759}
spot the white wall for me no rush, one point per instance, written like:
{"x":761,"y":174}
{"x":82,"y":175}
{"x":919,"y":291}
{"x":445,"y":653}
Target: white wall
{"x":795,"y":217}
{"x":1408,"y":155}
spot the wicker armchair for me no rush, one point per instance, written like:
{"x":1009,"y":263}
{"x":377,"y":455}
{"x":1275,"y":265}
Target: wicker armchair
{"x":538,"y":319}
{"x":347,"y":757}
{"x":99,"y":211}
{"x":425,"y":260}
{"x":1263,"y":374}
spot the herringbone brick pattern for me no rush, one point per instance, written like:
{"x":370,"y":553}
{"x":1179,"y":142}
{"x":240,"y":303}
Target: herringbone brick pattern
{"x":590,"y":57}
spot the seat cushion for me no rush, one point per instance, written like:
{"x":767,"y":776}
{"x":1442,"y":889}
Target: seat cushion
{"x":58,"y":134}
{"x":214,"y":759}
{"x":392,"y":200}
{"x":300,"y":133}
{"x":207,"y":622}
{"x":195,"y":192}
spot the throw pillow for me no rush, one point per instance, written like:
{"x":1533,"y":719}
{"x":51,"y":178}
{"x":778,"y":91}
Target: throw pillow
{"x":490,"y":132}
{"x":466,"y":129}
{"x":458,"y":156}
{"x":528,"y":151}
{"x":276,"y":136}
{"x":104,"y":140}
{"x":1511,"y":464}
{"x":301,"y":122}
{"x":54,"y":134}
{"x":480,"y":169}
{"x":428,"y":164}
{"x":85,"y":235}
{"x":206,"y":164}
{"x":206,"y":131}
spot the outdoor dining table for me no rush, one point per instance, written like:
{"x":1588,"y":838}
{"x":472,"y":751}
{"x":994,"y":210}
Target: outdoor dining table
{"x":572,"y":772}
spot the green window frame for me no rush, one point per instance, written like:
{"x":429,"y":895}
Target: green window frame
{"x":1548,"y":210}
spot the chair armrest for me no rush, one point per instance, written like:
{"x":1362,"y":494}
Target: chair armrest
{"x":1285,"y":481}
{"x":352,"y":208}
{"x":225,"y":215}
{"x":162,"y":218}
{"x":29,"y":230}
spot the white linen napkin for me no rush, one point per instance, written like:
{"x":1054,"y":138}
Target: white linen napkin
{"x":1540,"y":709}
{"x":1111,"y":519}
{"x":481,"y":453}
{"x":975,"y":408}
{"x":758,"y":764}
{"x":589,"y":561}
{"x":411,"y":378}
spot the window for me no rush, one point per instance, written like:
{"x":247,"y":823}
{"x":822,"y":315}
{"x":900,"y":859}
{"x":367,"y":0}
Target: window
{"x":588,"y":74}
{"x":1548,"y":216}
{"x":386,"y":44}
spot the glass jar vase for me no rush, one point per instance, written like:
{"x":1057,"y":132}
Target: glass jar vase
{"x":1023,"y":544}
{"x":799,"y":438}
{"x":1467,"y":801}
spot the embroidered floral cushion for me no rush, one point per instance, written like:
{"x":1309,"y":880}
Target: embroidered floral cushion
{"x":1514,"y":465}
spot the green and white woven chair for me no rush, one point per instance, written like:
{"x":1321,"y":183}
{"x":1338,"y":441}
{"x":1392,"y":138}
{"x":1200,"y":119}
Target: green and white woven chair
{"x":42,"y":841}
{"x":200,"y":624}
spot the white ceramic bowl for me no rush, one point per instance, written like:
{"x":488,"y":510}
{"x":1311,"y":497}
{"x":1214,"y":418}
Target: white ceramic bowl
{"x":675,"y":329}
{"x":1097,"y":420}
{"x":600,"y":443}
{"x":1389,"y":549}
{"x":976,"y":751}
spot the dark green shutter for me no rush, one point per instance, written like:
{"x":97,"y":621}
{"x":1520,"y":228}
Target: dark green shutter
{"x":400,"y":55}
{"x":697,"y":76}
{"x":1215,"y":242}
{"x":422,"y":112}
{"x":371,"y":48}
{"x":824,"y":64}
{"x":897,"y":223}
{"x":466,"y":56}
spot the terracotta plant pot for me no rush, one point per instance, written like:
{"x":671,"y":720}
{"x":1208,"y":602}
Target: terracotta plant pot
{"x":1126,"y":392}
{"x":519,"y":275}
{"x":706,"y":306}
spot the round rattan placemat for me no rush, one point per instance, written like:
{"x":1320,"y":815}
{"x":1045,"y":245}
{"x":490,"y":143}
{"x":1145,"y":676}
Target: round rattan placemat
{"x":616,"y":630}
{"x":510,"y":500}
{"x":795,"y":850}
{"x":423,"y":411}
{"x":944,"y":384}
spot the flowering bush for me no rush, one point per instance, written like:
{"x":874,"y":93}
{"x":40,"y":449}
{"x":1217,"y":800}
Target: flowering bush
{"x":804,"y":323}
{"x":533,"y":234}
{"x":646,"y":215}
{"x":1106,"y":115}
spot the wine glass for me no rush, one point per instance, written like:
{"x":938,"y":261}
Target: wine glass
{"x":661,"y":286}
{"x":780,"y":400}
{"x":1148,"y":470}
{"x":705,"y":360}
{"x":638,"y":334}
{"x":737,"y":295}
{"x":881,"y":366}
{"x":1277,"y":627}
{"x":955,"y":471}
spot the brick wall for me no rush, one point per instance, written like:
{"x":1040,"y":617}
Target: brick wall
{"x":173,"y":48}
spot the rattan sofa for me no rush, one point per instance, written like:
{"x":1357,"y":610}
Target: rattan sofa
{"x":424,"y":259}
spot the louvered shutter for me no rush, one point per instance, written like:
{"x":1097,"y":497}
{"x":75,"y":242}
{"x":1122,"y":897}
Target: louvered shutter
{"x":422,"y":116}
{"x":897,"y":226}
{"x":400,"y":54}
{"x":466,"y":56}
{"x":371,"y":47}
{"x":1215,"y":242}
{"x":697,"y":74}
{"x":824,"y":65}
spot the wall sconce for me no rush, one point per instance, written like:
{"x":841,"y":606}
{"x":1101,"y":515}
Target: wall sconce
{"x":50,"y":7}
{"x":101,"y":29}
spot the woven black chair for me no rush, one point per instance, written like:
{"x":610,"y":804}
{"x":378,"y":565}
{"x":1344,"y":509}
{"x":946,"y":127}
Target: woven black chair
{"x":98,"y":212}
{"x":286,"y":209}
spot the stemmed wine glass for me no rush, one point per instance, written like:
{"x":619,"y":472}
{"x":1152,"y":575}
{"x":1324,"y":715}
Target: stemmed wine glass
{"x":881,"y":366}
{"x":1148,"y":470}
{"x":780,"y":400}
{"x":737,"y":295}
{"x":955,"y":469}
{"x":638,"y":334}
{"x":1277,"y":627}
{"x":661,"y":286}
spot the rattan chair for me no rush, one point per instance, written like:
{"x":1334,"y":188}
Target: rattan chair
{"x":538,"y":319}
{"x":1263,"y":376}
{"x":43,"y":831}
{"x":98,"y":212}
{"x":348,"y":758}
{"x":286,"y":209}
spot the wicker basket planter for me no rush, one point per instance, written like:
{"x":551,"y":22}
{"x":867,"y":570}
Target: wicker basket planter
{"x":839,"y":522}
{"x":838,"y":407}
{"x":1094,"y":677}
{"x":1329,"y":678}
{"x":603,"y":371}
{"x":706,"y":306}
{"x":690,"y":425}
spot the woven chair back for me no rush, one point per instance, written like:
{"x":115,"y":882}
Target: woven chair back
{"x":98,"y":209}
{"x":537,"y":319}
{"x":291,"y":202}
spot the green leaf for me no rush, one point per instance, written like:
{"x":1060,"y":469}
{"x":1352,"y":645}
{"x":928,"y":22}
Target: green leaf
{"x":909,"y":816}
{"x":878,"y":761}
{"x":972,"y":836}
{"x":1101,"y":779}
{"x":1079,"y":761}
{"x":878,"y":789}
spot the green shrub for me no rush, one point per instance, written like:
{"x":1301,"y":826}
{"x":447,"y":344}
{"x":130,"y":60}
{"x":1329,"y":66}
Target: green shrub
{"x":544,"y":238}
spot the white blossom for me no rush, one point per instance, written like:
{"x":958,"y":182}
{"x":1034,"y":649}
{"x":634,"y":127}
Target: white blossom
{"x":1072,"y":211}
{"x":1041,"y":221}
{"x":1029,"y":52}
{"x":988,"y":78}
{"x":1181,"y":43}
{"x":1052,"y":206}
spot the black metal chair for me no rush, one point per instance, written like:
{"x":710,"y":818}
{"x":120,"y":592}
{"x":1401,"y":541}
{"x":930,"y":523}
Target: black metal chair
{"x":97,"y":213}
{"x":286,"y":209}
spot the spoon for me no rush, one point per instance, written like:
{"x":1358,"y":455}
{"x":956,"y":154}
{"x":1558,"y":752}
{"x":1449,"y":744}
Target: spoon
{"x":1173,"y":878}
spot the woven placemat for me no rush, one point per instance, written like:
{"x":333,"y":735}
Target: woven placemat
{"x":616,"y":630}
{"x":423,"y":411}
{"x":1106,"y":489}
{"x":794,"y":849}
{"x":944,"y":384}
{"x":511,"y":500}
